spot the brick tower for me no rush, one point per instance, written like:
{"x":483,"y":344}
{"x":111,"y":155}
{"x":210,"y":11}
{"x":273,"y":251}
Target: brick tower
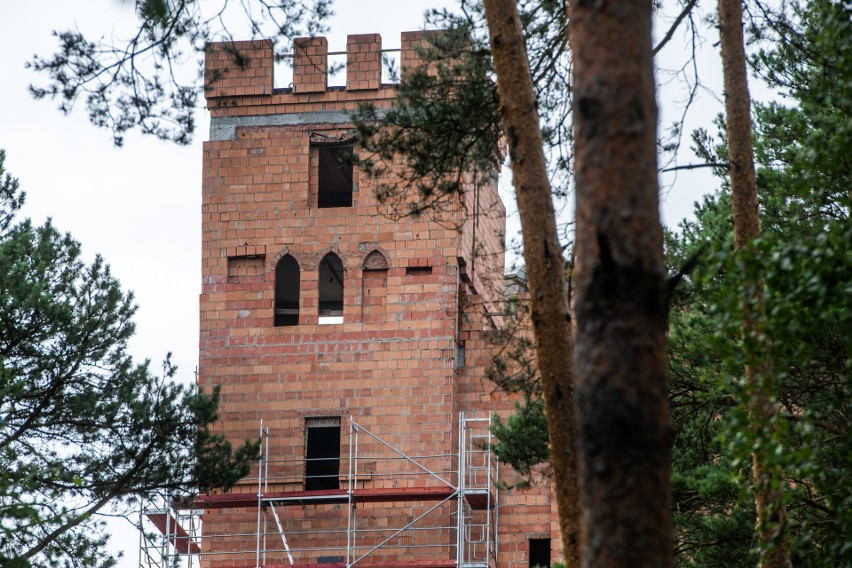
{"x":357,"y":339}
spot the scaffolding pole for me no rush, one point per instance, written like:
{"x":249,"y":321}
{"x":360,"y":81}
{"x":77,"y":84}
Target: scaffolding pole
{"x":473,"y":483}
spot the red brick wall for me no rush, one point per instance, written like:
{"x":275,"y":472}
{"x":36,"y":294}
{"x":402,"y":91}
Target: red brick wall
{"x":391,"y":364}
{"x":310,"y":64}
{"x":363,"y":62}
{"x":238,"y":68}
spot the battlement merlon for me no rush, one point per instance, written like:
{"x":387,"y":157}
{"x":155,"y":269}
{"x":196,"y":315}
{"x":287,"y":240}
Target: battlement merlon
{"x":239,"y":76}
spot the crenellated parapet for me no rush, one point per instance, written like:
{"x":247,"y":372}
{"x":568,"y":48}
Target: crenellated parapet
{"x":240,"y":75}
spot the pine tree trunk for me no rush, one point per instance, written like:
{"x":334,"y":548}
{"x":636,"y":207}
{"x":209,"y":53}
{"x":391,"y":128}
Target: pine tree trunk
{"x":771,"y":511}
{"x":621,"y":301}
{"x":543,"y":256}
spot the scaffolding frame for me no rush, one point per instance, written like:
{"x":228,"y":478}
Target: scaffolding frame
{"x":471,"y":480}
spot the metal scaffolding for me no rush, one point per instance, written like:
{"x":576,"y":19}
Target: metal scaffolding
{"x":429,"y":510}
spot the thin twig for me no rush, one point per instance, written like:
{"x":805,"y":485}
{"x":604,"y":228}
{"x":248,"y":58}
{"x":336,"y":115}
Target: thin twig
{"x":697,"y":166}
{"x":684,"y":13}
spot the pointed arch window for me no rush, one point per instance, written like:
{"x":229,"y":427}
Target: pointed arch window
{"x":331,"y":289}
{"x":287,"y":292}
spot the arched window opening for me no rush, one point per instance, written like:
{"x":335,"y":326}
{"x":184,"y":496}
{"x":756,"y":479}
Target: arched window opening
{"x":287,"y":292}
{"x":331,"y":289}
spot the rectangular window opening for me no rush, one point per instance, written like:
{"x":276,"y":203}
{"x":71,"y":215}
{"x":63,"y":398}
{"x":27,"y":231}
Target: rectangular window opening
{"x":418,"y":271}
{"x":539,"y":552}
{"x":322,"y":453}
{"x":334,"y":176}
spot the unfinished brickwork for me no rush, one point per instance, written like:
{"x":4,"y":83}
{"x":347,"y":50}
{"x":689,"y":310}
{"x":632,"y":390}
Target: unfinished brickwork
{"x":402,"y":352}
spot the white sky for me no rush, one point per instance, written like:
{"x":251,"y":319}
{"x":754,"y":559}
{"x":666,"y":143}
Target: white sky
{"x":140,"y":206}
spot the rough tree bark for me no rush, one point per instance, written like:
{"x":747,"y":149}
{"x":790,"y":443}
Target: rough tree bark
{"x":771,"y":512}
{"x":542,"y":254}
{"x":621,"y":294}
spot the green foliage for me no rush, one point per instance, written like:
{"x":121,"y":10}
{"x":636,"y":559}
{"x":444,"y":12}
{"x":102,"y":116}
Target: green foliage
{"x":152,"y":81}
{"x":807,"y":277}
{"x":803,"y":175}
{"x":444,"y":128}
{"x":81,"y":425}
{"x":520,"y":437}
{"x":803,"y":182}
{"x":445,"y":125}
{"x":714,"y":521}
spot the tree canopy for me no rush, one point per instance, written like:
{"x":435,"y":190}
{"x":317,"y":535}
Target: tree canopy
{"x":528,"y":53}
{"x":82,"y":426}
{"x":448,"y":123}
{"x":152,"y":80}
{"x":803,"y":181}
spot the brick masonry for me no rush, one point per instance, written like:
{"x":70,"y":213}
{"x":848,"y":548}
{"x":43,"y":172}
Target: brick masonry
{"x":393,"y":363}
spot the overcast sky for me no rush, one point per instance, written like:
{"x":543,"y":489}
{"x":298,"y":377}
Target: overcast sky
{"x":140,"y":206}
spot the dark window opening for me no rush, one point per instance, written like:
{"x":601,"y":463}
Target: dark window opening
{"x":418,"y":271}
{"x":331,"y":289}
{"x":539,"y":552}
{"x":465,"y":277}
{"x":322,"y":454}
{"x":334,"y":176}
{"x":287,"y":292}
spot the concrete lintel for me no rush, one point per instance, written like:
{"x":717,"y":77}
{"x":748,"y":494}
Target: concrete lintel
{"x":225,"y":128}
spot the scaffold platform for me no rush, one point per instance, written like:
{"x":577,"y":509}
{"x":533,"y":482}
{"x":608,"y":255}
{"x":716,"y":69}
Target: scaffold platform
{"x":464,"y":496}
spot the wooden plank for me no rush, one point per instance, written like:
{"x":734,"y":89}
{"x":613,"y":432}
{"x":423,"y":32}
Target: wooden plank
{"x":364,"y":564}
{"x":479,"y":500}
{"x":179,"y":538}
{"x":327,"y":496}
